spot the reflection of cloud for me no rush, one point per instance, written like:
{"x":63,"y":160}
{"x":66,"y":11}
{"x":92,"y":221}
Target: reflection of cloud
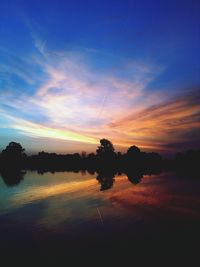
{"x":43,"y":192}
{"x":157,"y":197}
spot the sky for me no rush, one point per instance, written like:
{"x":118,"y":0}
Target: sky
{"x":73,"y":72}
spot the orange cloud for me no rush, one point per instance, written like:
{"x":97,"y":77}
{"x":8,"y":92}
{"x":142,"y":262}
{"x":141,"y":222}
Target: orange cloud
{"x":169,"y":122}
{"x":74,"y":103}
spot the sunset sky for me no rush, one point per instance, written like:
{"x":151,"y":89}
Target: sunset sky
{"x":73,"y":72}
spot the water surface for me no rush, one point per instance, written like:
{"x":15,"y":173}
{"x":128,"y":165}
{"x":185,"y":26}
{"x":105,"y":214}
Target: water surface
{"x":67,"y":210}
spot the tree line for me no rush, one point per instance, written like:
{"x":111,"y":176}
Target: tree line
{"x":14,"y":156}
{"x":106,"y":163}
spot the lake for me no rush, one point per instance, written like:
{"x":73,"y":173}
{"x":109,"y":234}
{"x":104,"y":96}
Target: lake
{"x":65,"y":215}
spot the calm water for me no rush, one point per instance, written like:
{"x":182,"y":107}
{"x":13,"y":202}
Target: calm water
{"x":66,"y":212}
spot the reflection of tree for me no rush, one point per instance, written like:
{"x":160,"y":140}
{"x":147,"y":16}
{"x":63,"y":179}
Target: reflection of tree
{"x":134,"y":176}
{"x":106,"y":179}
{"x":12,"y":177}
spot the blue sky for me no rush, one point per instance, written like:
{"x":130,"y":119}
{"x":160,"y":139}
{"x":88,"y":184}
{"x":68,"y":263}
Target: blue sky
{"x":72,"y":72}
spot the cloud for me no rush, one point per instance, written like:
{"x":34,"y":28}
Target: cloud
{"x":74,"y":100}
{"x":171,"y":122}
{"x":38,"y":130}
{"x":39,"y":44}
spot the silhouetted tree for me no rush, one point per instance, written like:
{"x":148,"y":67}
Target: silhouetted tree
{"x":13,"y":155}
{"x":105,"y":153}
{"x":133,"y":151}
{"x":91,"y":156}
{"x":105,"y":162}
{"x":14,"y":149}
{"x":106,"y":147}
{"x":154,"y":160}
{"x":83,"y":154}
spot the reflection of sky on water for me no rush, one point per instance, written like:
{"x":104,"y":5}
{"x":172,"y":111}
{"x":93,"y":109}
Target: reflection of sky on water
{"x":65,"y":201}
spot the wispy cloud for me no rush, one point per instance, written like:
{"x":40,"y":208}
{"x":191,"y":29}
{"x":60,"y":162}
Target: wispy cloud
{"x":70,"y":100}
{"x":166,"y":123}
{"x":39,"y":44}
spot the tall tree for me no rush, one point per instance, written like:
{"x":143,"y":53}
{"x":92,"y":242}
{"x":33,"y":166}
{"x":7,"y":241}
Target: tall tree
{"x":14,"y":150}
{"x":105,"y":148}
